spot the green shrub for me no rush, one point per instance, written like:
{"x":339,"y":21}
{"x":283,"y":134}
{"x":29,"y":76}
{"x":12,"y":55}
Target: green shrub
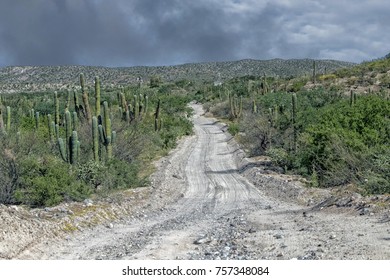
{"x":221,"y":110}
{"x":47,"y":182}
{"x":298,"y":85}
{"x":89,"y":173}
{"x":338,"y":144}
{"x":279,"y":156}
{"x":376,"y":184}
{"x":173,"y":128}
{"x":233,"y":128}
{"x":376,"y":178}
{"x":118,"y":174}
{"x":327,"y":77}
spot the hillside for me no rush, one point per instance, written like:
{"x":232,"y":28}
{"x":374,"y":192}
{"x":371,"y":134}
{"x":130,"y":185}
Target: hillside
{"x":363,"y":78}
{"x":34,"y":78}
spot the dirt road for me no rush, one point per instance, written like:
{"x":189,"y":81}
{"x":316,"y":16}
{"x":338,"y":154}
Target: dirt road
{"x":207,"y":202}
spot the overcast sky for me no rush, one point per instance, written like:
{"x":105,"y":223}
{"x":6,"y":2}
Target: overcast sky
{"x":168,"y":32}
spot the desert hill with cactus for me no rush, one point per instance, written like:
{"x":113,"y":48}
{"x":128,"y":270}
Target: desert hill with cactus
{"x":38,"y":78}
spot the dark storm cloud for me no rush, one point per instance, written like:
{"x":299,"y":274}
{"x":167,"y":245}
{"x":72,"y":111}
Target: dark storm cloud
{"x":161,"y":32}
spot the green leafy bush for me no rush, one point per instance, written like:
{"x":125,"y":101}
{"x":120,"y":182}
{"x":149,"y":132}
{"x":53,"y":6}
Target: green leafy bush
{"x":118,"y":174}
{"x":47,"y":182}
{"x":338,"y":143}
{"x":279,"y":156}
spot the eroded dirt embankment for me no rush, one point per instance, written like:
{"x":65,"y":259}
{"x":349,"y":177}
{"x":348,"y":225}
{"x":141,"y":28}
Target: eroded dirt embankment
{"x":206,"y":201}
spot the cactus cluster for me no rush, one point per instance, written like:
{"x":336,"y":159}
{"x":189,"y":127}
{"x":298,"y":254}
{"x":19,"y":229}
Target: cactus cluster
{"x":70,"y":149}
{"x":102,"y":134}
{"x":64,"y":123}
{"x":106,"y":135}
{"x":274,"y":116}
{"x":86,"y":110}
{"x":7,"y":126}
{"x":235,"y":106}
{"x":133,"y":111}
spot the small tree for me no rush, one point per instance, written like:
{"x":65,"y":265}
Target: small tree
{"x":155,"y":81}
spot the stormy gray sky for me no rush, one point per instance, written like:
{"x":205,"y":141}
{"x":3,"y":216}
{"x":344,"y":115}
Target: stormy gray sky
{"x":167,"y":32}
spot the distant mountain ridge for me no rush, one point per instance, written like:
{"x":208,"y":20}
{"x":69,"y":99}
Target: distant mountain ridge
{"x":35,"y":77}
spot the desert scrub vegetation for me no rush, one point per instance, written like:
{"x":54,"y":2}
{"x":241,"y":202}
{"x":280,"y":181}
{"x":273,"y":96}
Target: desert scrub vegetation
{"x":39,"y":78}
{"x":67,"y":145}
{"x":378,"y":65}
{"x":330,"y":138}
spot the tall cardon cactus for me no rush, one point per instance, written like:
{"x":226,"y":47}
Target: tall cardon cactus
{"x":235,"y":106}
{"x":70,"y":149}
{"x":107,"y":136}
{"x":97,"y":96}
{"x":87,"y":108}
